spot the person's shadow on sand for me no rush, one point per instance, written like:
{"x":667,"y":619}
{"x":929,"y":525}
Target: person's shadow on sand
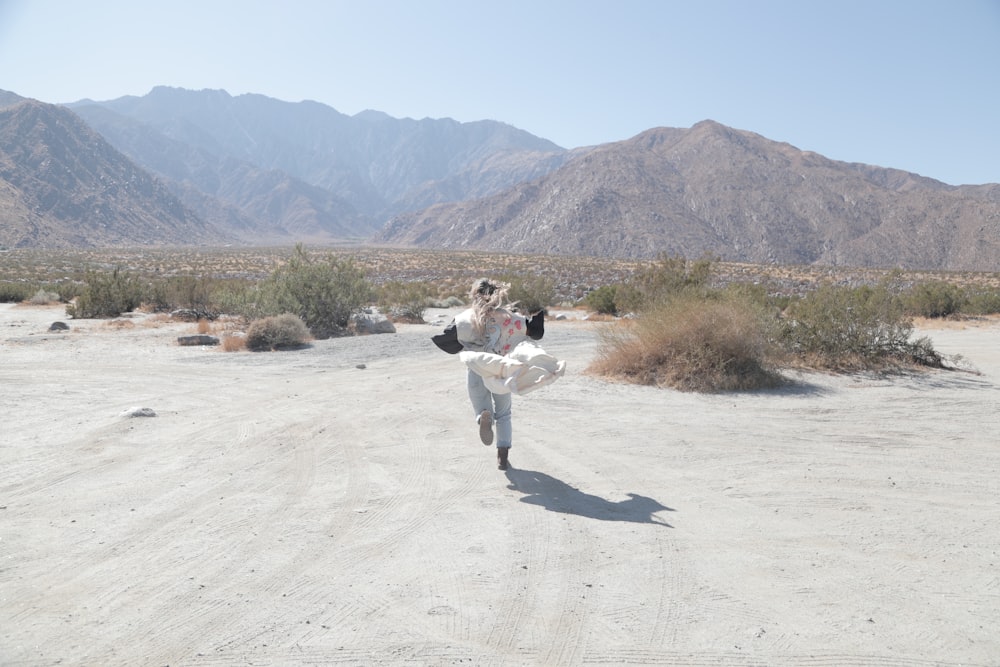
{"x":558,"y":496}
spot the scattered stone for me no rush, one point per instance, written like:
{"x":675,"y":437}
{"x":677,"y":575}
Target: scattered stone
{"x":138,"y":412}
{"x":58,"y":326}
{"x":197,"y":339}
{"x":372,"y":322}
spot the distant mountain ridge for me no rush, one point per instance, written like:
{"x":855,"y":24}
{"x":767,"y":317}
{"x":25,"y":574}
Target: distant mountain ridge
{"x":179,"y":167}
{"x":371,"y":162}
{"x":731,"y":193}
{"x":251,"y":203}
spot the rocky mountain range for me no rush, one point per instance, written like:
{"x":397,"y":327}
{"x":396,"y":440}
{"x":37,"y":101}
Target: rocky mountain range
{"x":177,"y":167}
{"x":306,"y":170}
{"x":733,"y":194}
{"x":63,"y":185}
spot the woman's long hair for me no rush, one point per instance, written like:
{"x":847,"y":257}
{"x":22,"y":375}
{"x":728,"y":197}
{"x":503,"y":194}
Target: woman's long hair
{"x":486,"y":296}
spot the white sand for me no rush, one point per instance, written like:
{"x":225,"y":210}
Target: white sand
{"x":291,"y":508}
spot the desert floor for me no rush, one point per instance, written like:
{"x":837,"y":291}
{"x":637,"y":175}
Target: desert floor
{"x":333,"y":505}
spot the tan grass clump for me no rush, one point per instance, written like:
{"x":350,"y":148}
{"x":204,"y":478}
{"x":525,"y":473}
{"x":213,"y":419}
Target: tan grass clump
{"x":690,"y":344}
{"x":234,"y":343}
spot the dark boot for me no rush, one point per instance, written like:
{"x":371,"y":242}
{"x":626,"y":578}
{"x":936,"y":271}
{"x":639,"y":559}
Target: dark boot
{"x":502,"y":453}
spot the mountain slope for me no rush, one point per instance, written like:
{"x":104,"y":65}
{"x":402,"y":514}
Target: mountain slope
{"x":734,"y":194}
{"x":376,"y":163}
{"x":63,"y":185}
{"x":9,"y":99}
{"x":256,"y":204}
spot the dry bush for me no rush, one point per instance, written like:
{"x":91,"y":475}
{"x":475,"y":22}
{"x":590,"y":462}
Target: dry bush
{"x":43,"y":298}
{"x":278,"y":332}
{"x":234,"y":343}
{"x":691,"y":344}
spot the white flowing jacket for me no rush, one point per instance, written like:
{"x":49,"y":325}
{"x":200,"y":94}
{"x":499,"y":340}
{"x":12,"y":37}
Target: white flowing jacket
{"x":505,"y":357}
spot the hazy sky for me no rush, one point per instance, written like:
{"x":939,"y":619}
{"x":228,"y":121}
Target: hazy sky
{"x":910,"y":84}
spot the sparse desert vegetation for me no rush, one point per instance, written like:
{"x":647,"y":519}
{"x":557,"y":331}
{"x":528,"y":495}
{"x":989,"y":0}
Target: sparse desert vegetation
{"x":702,"y":325}
{"x":692,"y":335}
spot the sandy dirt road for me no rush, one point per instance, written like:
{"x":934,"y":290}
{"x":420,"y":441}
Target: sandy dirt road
{"x":295,"y":508}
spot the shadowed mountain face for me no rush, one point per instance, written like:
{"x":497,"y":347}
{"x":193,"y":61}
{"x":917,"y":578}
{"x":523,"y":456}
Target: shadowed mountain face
{"x":713,"y":189}
{"x":63,"y":185}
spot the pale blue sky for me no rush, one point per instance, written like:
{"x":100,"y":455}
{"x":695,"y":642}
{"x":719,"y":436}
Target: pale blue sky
{"x":910,"y":84}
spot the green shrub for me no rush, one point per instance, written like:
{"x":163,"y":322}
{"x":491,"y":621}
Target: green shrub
{"x":323,"y":291}
{"x":981,"y":302}
{"x":849,"y":328}
{"x":934,"y":299}
{"x":276,"y":333}
{"x":405,"y":301}
{"x":531,"y":293}
{"x":602,"y":300}
{"x":692,"y":343}
{"x":194,"y":293}
{"x":106,"y":295}
{"x":67,"y":290}
{"x":667,"y":277}
{"x":15,"y":292}
{"x":239,"y":297}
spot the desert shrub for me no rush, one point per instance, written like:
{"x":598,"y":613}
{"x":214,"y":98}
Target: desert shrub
{"x":43,"y":298}
{"x":107,"y":294}
{"x":934,"y":299}
{"x":194,"y":293}
{"x":662,"y":280}
{"x":531,"y":293}
{"x":852,"y":328}
{"x":323,"y":291}
{"x":11,"y":292}
{"x":602,"y":300}
{"x":630,"y":298}
{"x":240,"y":298}
{"x":233,"y":343}
{"x":665,"y":278}
{"x":405,"y":301}
{"x":67,"y":290}
{"x":692,"y":343}
{"x":981,"y":302}
{"x":277,"y":332}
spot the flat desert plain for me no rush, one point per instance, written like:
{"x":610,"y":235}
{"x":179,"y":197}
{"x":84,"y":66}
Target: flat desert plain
{"x":333,"y":505}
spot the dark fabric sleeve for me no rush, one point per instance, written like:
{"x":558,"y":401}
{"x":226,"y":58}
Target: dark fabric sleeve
{"x":536,"y":325}
{"x":448,"y":341}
